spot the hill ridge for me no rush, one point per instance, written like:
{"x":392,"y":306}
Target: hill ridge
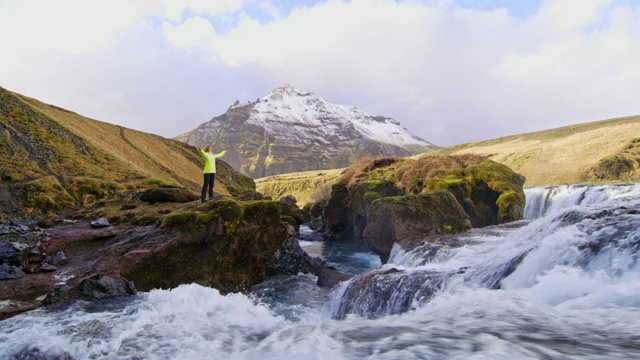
{"x":52,"y":159}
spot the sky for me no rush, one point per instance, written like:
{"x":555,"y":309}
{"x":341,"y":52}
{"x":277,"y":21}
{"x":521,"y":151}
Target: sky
{"x":450,"y":71}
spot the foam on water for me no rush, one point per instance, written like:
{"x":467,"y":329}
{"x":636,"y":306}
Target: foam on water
{"x":563,"y":286}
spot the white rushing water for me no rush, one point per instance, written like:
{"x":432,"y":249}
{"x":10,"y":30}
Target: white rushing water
{"x":564,"y":284}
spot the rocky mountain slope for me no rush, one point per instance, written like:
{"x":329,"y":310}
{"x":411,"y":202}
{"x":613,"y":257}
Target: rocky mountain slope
{"x":53,"y":160}
{"x":290,"y":130}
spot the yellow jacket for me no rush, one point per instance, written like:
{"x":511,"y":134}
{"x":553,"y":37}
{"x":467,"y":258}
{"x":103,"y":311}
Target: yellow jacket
{"x":210,"y":161}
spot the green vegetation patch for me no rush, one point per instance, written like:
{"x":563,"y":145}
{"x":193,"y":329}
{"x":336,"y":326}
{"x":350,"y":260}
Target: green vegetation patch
{"x":614,"y":167}
{"x":44,"y":195}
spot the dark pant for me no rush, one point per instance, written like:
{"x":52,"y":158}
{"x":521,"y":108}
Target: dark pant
{"x":209,"y":179}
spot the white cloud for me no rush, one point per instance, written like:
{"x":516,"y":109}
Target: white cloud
{"x":449,"y":74}
{"x":194,"y":33}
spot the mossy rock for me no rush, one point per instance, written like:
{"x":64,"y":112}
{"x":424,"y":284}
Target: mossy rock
{"x":224,"y":244}
{"x":167,"y":194}
{"x":404,"y":219}
{"x":289,"y":220}
{"x":489,"y":193}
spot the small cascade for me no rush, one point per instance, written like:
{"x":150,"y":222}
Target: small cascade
{"x":387,"y":291}
{"x":590,"y":232}
{"x":545,"y":199}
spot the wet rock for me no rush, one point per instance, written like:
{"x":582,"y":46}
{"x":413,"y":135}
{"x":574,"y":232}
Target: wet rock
{"x":13,"y":253}
{"x":382,"y":292}
{"x":290,"y":259}
{"x":102,"y":222}
{"x":316,"y":224}
{"x":10,"y":272}
{"x":93,"y":288}
{"x":36,"y":354}
{"x":59,"y":259}
{"x":331,"y":278}
{"x":47,"y":268}
{"x":403,"y":219}
{"x":36,"y":257}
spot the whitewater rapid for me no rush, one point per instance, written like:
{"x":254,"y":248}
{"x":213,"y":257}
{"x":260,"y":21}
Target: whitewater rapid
{"x":562,"y":284}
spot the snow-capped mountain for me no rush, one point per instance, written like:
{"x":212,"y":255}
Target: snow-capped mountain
{"x":291,"y":130}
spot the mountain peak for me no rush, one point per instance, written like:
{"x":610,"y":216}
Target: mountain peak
{"x":286,"y":90}
{"x":292,"y":130}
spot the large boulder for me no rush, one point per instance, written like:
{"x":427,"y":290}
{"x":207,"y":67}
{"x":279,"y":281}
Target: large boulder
{"x":487,"y":192}
{"x":13,"y":253}
{"x":224,"y":244}
{"x":96,"y":287}
{"x":403,"y":219}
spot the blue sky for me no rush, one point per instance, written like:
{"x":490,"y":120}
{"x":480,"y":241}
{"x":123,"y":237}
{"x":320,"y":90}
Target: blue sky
{"x":450,"y":71}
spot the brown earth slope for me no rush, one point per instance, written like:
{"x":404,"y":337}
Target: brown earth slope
{"x":53,"y":159}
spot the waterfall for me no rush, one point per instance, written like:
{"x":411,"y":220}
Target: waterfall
{"x":545,"y":199}
{"x":585,"y":234}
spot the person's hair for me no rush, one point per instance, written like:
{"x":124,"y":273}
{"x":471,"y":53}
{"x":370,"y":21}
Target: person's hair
{"x":207,"y":148}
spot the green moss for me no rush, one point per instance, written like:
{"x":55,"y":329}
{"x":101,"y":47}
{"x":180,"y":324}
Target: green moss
{"x":289,"y":220}
{"x":147,"y":219}
{"x":371,"y":196}
{"x":88,"y":190}
{"x":506,"y":200}
{"x":613,"y":167}
{"x":45,"y":195}
{"x":157,"y":182}
{"x":178,"y":219}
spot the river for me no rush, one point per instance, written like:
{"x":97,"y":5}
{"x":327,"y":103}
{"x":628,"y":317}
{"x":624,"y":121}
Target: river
{"x":562,"y":284}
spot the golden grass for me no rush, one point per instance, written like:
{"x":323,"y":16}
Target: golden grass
{"x":141,"y":154}
{"x":304,"y":186}
{"x":558,"y":156}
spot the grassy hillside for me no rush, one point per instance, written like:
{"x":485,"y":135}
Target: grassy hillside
{"x":602,"y":151}
{"x":596,"y":152}
{"x":306,"y":186}
{"x":53,"y":159}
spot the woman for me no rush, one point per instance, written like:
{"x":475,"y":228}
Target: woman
{"x":209,"y":170}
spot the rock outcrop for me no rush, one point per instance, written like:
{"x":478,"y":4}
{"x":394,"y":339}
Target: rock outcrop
{"x":167,"y":194}
{"x":290,"y":259}
{"x":409,"y":218}
{"x":223,"y":244}
{"x":388,"y":200}
{"x":95,"y":287}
